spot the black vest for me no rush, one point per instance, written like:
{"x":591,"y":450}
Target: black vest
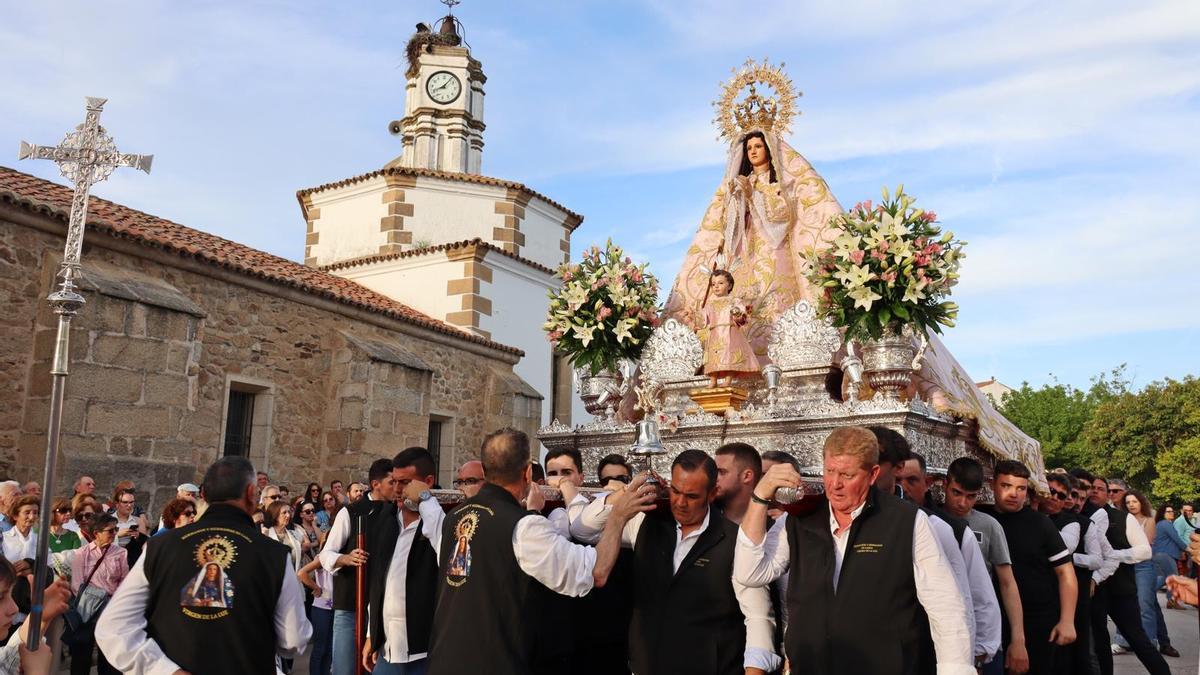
{"x":213,"y":588}
{"x":687,"y":621}
{"x":344,"y":578}
{"x":1123,"y":581}
{"x":876,"y":595}
{"x":488,"y":609}
{"x":420,"y":583}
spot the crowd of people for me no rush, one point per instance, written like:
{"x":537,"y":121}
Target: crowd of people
{"x":891,"y":570}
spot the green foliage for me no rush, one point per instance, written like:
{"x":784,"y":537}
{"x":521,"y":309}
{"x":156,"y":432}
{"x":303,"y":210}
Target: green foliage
{"x":1130,"y":432}
{"x":1178,"y":470}
{"x":1056,"y":414}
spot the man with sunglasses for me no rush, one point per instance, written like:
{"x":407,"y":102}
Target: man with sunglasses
{"x":614,"y":472}
{"x":1084,"y":542}
{"x":470,"y":478}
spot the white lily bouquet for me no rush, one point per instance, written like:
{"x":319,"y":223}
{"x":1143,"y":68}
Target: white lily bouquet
{"x":890,"y":266}
{"x":605,"y":310}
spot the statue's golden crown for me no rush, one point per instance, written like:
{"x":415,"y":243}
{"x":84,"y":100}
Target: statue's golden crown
{"x":772,"y":113}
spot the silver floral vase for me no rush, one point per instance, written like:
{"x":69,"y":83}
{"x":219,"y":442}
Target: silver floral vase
{"x":602,"y":393}
{"x":888,"y":363}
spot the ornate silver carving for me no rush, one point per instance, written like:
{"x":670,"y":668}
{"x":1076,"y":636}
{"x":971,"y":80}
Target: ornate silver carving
{"x":86,"y":156}
{"x":672,"y":352}
{"x":601,"y":393}
{"x":801,"y":340}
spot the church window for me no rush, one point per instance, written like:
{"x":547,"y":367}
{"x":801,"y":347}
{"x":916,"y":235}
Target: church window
{"x":239,"y":423}
{"x":246,"y":429}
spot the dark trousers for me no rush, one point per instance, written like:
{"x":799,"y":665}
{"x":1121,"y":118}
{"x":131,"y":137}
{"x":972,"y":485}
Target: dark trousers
{"x":1077,"y":657}
{"x":1042,"y":652}
{"x":81,"y":660}
{"x":1123,"y":609}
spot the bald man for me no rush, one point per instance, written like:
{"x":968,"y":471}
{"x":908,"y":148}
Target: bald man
{"x":470,"y":478}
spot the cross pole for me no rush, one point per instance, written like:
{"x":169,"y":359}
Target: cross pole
{"x":85,"y":157}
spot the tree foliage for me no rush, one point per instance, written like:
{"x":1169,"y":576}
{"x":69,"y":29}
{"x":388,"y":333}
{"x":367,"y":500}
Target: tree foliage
{"x":1150,"y":437}
{"x":1136,"y":435}
{"x":1056,"y":414}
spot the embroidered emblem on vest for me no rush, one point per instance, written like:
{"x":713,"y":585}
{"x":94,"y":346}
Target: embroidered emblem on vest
{"x":868,"y":548}
{"x":211,"y":587}
{"x":700,"y":562}
{"x":460,"y":562}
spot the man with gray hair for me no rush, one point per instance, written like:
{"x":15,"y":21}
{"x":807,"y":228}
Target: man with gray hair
{"x":868,"y":558}
{"x":9,"y":491}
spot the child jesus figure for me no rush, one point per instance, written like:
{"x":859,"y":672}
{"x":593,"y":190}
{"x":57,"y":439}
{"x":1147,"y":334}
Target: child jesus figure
{"x":727,"y":352}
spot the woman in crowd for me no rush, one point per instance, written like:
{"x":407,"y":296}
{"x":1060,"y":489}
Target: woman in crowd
{"x":20,"y":542}
{"x":312,"y":533}
{"x":321,"y":615}
{"x":62,"y":539}
{"x":281,"y":529}
{"x":77,"y":501}
{"x":177,"y":513}
{"x":1146,"y":574}
{"x":131,"y":527}
{"x":96,"y":571}
{"x":329,"y":508}
{"x":313,"y":493}
{"x":83,"y":512}
{"x":1168,"y":547}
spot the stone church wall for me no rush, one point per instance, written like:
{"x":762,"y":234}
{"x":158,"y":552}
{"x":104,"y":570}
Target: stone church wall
{"x":162,"y":340}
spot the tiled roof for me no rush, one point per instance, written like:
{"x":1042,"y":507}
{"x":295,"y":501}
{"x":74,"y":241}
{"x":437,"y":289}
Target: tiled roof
{"x":426,"y":250}
{"x":123,"y":222}
{"x":444,"y":175}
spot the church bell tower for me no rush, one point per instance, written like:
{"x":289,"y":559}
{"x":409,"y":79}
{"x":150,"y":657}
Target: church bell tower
{"x":442,"y":127}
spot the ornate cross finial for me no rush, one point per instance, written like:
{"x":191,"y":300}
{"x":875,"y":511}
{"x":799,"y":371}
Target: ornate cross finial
{"x":450,"y":5}
{"x":85,"y":157}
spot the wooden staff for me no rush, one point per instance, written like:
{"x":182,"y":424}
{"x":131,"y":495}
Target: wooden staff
{"x":711,"y":273}
{"x":360,"y":578}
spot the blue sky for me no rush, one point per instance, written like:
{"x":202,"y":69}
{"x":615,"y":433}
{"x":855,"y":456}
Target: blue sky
{"x":1060,"y":139}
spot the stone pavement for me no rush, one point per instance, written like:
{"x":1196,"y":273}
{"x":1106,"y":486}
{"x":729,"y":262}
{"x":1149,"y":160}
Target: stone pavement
{"x":1185,"y":636}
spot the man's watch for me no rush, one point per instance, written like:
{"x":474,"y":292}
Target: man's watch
{"x":425,"y":494}
{"x":754,"y":496}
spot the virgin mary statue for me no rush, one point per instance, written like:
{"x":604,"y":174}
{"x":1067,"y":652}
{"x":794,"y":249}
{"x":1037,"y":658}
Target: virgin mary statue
{"x":770,"y":206}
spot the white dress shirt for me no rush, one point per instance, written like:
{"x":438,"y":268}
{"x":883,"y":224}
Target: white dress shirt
{"x":18,"y":546}
{"x":395,"y":626}
{"x":755,"y":603}
{"x":1138,"y":551}
{"x":541,"y":552}
{"x":121,"y":630}
{"x":760,"y":564}
{"x":948,"y":543}
{"x":984,"y":602}
{"x":1093,"y":553}
{"x":1070,"y":536}
{"x":339,"y":532}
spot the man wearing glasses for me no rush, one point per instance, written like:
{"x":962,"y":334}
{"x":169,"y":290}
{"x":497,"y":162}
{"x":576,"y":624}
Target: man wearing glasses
{"x":470,"y":478}
{"x":270,"y":495}
{"x":1084,"y":542}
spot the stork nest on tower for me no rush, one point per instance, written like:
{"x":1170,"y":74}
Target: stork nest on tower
{"x":424,"y":41}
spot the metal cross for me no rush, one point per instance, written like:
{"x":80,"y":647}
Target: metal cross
{"x":450,"y":5}
{"x":85,"y":157}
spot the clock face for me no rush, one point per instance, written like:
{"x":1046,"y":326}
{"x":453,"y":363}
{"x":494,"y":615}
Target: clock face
{"x":443,"y":87}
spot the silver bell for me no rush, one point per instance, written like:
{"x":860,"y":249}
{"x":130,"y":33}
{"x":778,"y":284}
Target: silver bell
{"x":646,"y":447}
{"x":648,"y":442}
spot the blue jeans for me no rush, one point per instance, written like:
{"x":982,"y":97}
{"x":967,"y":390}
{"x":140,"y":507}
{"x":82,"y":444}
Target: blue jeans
{"x":383,"y":667}
{"x":1147,"y":575}
{"x":322,"y":642}
{"x":345,"y":652}
{"x":1166,"y":567}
